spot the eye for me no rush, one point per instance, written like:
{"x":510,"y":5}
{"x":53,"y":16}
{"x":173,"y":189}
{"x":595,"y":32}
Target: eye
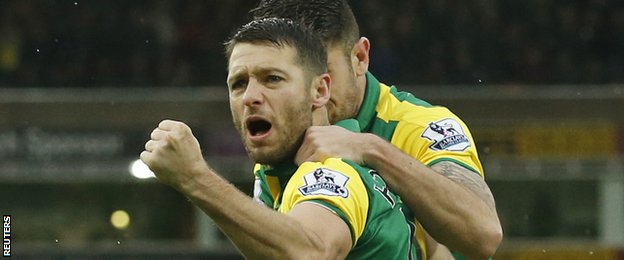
{"x":274,"y":79}
{"x":238,"y":84}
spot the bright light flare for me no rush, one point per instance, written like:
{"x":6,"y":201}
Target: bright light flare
{"x":120,"y":219}
{"x":140,"y":170}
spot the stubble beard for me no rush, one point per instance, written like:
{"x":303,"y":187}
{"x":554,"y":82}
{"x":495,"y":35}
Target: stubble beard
{"x":348,"y":107}
{"x":291,"y":135}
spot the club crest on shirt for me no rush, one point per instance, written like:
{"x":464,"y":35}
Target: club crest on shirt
{"x":446,"y":134}
{"x":323,"y":181}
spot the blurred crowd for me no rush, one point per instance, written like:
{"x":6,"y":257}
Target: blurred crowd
{"x":180,"y":42}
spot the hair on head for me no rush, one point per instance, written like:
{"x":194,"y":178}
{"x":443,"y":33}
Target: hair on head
{"x":281,"y":33}
{"x":333,"y":20}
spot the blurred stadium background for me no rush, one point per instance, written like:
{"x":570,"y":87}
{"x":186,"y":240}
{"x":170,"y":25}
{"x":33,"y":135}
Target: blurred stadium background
{"x":540,"y":83}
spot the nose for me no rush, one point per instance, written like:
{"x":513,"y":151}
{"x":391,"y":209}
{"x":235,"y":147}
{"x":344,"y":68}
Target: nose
{"x":253,"y":93}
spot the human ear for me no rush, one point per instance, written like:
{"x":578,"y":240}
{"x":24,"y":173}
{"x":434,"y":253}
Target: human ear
{"x":320,"y":90}
{"x":360,"y":56}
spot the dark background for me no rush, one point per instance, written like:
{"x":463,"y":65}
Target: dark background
{"x":59,"y":43}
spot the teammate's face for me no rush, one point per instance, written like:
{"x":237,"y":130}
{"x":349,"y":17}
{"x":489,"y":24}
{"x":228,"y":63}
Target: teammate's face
{"x":269,"y":99}
{"x":344,"y":101}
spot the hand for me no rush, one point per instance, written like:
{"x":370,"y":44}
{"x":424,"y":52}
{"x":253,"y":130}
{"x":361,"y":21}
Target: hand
{"x":322,"y":142}
{"x":173,"y":153}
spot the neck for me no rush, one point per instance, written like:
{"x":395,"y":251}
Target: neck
{"x":360,"y":83}
{"x":319,"y":117}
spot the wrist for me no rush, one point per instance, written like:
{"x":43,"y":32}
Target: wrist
{"x":194,"y":180}
{"x":372,"y":150}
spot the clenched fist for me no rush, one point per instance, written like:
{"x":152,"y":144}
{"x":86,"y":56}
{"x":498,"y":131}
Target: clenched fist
{"x":173,"y":154}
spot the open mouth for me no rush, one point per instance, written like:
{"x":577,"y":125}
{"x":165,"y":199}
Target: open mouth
{"x":258,"y":126}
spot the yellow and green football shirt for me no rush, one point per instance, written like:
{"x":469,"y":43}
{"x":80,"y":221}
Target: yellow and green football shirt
{"x":428,"y":133}
{"x":381,"y":226}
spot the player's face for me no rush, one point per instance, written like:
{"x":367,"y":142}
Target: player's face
{"x":343,"y":102}
{"x":269,"y":99}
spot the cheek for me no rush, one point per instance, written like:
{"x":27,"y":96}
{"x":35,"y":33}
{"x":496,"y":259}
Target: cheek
{"x":236,"y":116}
{"x":294,"y":106}
{"x":339,"y":81}
{"x":338,"y":91}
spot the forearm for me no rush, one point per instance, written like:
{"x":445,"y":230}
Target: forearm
{"x":258,"y":232}
{"x":454,"y":214}
{"x":435,"y":250}
{"x":174,"y":155}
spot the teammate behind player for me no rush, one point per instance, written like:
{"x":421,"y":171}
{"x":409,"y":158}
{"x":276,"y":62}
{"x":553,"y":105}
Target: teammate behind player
{"x":332,"y":209}
{"x":439,"y":176}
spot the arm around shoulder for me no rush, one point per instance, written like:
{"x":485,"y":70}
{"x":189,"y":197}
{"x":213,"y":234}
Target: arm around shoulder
{"x":453,"y":203}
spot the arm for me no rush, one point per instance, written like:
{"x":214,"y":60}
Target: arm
{"x":436,"y":251}
{"x":261,"y":233}
{"x":453,"y":203}
{"x":174,"y":155}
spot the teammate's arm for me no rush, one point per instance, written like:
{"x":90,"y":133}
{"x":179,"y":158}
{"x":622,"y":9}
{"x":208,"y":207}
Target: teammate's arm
{"x":308,"y":232}
{"x":453,"y":203}
{"x":436,"y":251}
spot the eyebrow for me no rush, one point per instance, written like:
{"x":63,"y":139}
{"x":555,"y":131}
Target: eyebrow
{"x":271,"y":69}
{"x":235,"y":75}
{"x":259,"y":71}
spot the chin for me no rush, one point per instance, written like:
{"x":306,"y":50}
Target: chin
{"x":262,"y":156}
{"x":270,"y":157}
{"x":275,"y":153}
{"x":266,"y":160}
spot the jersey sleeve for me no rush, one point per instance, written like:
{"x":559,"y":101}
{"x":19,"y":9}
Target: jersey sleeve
{"x":334,"y":185}
{"x":439,"y":136}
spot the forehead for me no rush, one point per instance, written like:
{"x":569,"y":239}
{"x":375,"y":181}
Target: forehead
{"x":248,"y":56}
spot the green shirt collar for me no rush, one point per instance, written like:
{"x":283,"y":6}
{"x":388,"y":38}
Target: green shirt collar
{"x":349,"y":124}
{"x":367,"y":112}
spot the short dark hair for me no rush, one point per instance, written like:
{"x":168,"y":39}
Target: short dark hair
{"x":333,"y":20}
{"x":281,"y":32}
